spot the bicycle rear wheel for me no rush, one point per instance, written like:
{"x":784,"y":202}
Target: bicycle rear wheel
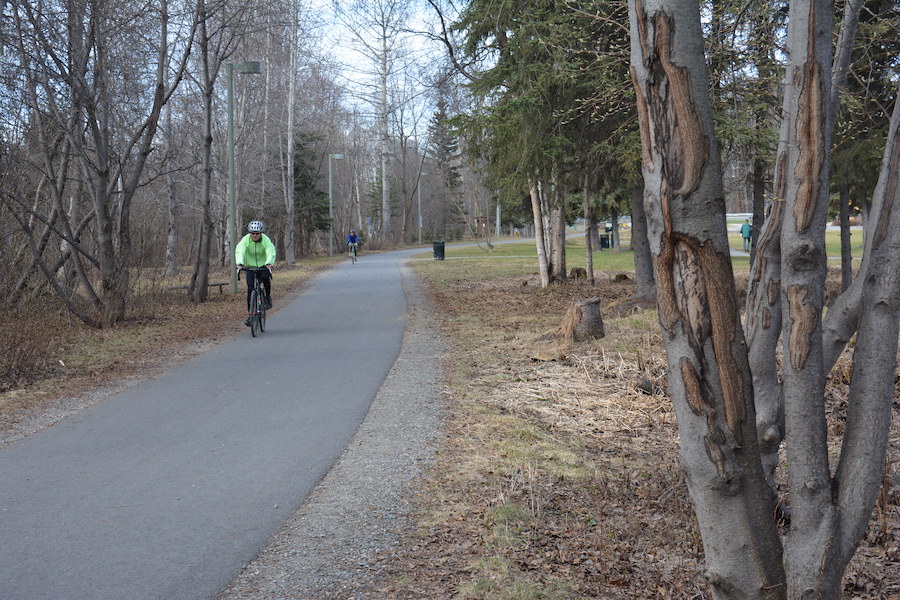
{"x":254,"y":312}
{"x":262,"y":316}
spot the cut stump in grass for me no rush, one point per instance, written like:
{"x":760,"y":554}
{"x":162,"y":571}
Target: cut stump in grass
{"x":583,"y":321}
{"x":578,"y":273}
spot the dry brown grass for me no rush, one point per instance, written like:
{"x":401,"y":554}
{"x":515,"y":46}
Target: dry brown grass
{"x":558,"y":475}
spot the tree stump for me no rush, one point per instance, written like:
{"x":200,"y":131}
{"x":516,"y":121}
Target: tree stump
{"x":578,"y":273}
{"x":583,"y":321}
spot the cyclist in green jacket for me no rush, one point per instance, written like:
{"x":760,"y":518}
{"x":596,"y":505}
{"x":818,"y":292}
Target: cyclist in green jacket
{"x":256,"y":250}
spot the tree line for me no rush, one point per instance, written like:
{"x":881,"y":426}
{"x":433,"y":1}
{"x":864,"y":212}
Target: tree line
{"x":115,"y":150}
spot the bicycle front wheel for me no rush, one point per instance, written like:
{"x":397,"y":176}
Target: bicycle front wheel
{"x":254,"y":312}
{"x":262,"y":317}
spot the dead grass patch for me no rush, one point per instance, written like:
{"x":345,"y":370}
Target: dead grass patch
{"x":558,"y":474}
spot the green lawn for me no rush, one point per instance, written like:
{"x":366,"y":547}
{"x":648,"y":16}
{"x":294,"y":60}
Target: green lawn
{"x":513,"y":258}
{"x":521,"y":257}
{"x":832,"y":246}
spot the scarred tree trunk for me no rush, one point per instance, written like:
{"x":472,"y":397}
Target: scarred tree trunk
{"x":709,"y":373}
{"x":843,"y":511}
{"x":803,"y":270}
{"x":764,"y":304}
{"x":707,"y":363}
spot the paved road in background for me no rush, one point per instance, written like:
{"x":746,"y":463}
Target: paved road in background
{"x":166,"y":490}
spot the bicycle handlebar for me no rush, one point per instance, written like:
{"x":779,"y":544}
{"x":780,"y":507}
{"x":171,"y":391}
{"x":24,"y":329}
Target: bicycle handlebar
{"x":254,"y":269}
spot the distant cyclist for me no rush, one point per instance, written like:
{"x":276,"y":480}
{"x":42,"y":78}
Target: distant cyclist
{"x":353,"y":242}
{"x":256,"y":250}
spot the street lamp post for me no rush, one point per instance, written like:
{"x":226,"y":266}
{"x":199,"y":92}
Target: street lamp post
{"x":419,"y":191}
{"x":244,"y":67}
{"x":331,"y":205}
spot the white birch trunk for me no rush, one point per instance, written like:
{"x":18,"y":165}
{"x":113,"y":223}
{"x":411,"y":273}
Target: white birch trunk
{"x":172,"y":236}
{"x":385,"y":144}
{"x":558,"y":237}
{"x":289,"y":204}
{"x":537,"y":212}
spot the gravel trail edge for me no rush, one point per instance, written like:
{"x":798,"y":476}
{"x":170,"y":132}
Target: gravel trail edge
{"x":327,"y":549}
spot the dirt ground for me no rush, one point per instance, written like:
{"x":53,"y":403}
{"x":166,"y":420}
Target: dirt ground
{"x":558,"y":476}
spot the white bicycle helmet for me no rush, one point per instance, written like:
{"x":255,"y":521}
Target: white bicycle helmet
{"x":255,"y":227}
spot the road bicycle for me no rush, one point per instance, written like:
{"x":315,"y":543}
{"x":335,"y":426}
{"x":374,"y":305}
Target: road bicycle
{"x":257,"y":313}
{"x":352,"y":251}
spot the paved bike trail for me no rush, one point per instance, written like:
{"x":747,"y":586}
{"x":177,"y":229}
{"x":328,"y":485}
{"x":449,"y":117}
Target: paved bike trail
{"x":166,"y":490}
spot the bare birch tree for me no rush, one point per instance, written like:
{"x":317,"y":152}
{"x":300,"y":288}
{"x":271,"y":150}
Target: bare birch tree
{"x":379,"y":34}
{"x":97,"y":77}
{"x":172,"y":234}
{"x":289,"y":188}
{"x":220,"y":25}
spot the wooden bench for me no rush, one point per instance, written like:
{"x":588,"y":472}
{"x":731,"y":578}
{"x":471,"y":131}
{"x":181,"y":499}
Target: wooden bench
{"x":218,"y":284}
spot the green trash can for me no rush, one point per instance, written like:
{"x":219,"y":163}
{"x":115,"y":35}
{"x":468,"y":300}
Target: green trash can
{"x":438,"y":250}
{"x":604,"y":240}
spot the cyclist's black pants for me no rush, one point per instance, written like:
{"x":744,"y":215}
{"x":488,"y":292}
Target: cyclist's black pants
{"x":265,"y":277}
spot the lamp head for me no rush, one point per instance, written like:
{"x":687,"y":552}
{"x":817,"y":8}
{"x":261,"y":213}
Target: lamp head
{"x":249,"y":67}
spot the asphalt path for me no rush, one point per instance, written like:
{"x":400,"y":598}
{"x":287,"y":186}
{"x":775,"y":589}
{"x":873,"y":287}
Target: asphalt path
{"x":166,"y":490}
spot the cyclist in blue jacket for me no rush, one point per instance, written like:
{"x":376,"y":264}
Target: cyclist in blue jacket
{"x":352,"y":241}
{"x":256,"y":250}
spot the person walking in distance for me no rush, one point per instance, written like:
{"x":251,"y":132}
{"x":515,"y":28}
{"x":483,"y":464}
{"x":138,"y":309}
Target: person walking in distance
{"x":256,"y":250}
{"x":746,"y":231}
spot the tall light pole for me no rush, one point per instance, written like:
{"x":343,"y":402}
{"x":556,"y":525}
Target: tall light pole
{"x":419,"y":190}
{"x":244,"y":67}
{"x":331,"y":205}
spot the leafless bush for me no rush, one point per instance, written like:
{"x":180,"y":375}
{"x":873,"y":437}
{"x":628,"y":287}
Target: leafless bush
{"x":26,"y":347}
